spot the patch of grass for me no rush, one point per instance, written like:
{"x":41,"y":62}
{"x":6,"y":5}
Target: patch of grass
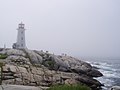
{"x":3,"y":56}
{"x":67,"y":87}
{"x":49,"y":63}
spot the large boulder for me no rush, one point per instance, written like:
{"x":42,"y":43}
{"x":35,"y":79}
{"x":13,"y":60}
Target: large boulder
{"x":21,"y":60}
{"x":62,"y":66}
{"x":78,"y":66}
{"x":15,"y":52}
{"x":33,"y":57}
{"x":93,"y":83}
{"x":94,"y":73}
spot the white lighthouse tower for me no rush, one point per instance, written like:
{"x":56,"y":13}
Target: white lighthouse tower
{"x":20,"y":44}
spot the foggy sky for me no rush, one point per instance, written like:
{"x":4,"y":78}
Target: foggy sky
{"x":75,"y":27}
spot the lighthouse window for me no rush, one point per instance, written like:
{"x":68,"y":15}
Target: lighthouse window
{"x":21,"y":32}
{"x":22,"y":38}
{"x":22,"y":45}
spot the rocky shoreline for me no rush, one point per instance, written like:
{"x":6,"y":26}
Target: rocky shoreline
{"x":42,"y":69}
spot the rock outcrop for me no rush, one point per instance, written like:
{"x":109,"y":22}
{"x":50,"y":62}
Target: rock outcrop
{"x":38,"y":68}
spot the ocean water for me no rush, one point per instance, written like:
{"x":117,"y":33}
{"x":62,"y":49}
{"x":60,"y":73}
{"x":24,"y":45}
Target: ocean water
{"x":110,"y":68}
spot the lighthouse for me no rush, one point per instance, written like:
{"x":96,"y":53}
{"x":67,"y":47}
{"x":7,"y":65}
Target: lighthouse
{"x":20,"y":44}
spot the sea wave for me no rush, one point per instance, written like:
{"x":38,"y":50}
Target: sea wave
{"x":110,"y":71}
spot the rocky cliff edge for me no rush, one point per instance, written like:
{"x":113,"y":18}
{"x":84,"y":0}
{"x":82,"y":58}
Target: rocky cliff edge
{"x":38,"y":68}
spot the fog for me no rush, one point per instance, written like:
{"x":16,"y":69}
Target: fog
{"x":75,"y":27}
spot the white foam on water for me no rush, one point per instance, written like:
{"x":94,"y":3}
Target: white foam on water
{"x":104,"y":88}
{"x":109,"y":72}
{"x":106,"y":69}
{"x":107,"y":82}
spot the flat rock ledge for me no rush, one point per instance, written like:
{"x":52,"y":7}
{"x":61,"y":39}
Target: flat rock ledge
{"x":19,"y":87}
{"x":43,"y":69}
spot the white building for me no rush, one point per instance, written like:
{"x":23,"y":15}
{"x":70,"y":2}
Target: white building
{"x":20,"y":44}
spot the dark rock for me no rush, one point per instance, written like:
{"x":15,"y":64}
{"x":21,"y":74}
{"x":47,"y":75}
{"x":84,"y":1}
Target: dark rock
{"x":89,"y":81}
{"x":94,"y":73}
